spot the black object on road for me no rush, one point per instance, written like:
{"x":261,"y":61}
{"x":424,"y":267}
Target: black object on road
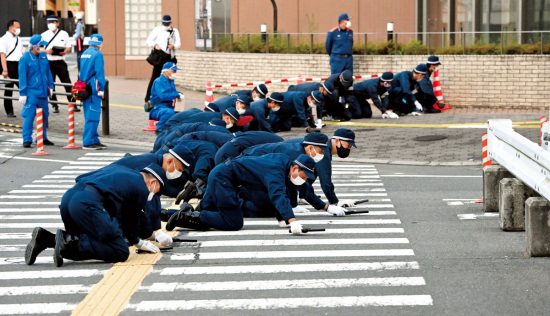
{"x":361,"y":201}
{"x":356,"y":212}
{"x":165,"y":249}
{"x":184,"y":240}
{"x":307,"y":230}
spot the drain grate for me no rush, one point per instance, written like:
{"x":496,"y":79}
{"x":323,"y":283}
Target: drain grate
{"x":429,"y":138}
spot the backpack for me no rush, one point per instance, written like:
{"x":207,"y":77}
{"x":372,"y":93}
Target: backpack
{"x":81,"y":90}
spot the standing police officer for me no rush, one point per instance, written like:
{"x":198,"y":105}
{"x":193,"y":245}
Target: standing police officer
{"x":339,"y":46}
{"x":35,"y":85}
{"x":11,"y":50}
{"x":93,"y":73}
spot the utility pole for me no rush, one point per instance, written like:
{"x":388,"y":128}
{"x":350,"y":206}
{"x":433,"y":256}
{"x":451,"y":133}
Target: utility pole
{"x":274,"y":16}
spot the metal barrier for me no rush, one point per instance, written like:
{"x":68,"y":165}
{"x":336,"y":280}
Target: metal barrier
{"x":526,"y":160}
{"x":104,"y":106}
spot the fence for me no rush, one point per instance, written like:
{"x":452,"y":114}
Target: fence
{"x":404,"y":43}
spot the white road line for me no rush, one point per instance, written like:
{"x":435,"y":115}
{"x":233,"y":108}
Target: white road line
{"x":90,"y":163}
{"x":11,"y":203}
{"x":293,"y":254}
{"x":35,"y":191}
{"x":53,"y":181}
{"x":34,"y":159}
{"x":35,"y":308}
{"x":21,"y":260}
{"x":283,"y":231}
{"x":425,"y":176}
{"x":476,"y":216}
{"x":30,"y":196}
{"x":60,"y":177}
{"x":318,"y":190}
{"x":32,"y":225}
{"x":368,"y":177}
{"x":328,"y":222}
{"x":26,"y":217}
{"x":13,"y":236}
{"x":302,"y":242}
{"x":258,"y":285}
{"x":50,"y":274}
{"x":6,"y":248}
{"x":76,"y":173}
{"x":460,"y":199}
{"x":284,"y":303}
{"x":104,"y":159}
{"x":289,"y":268}
{"x":45,"y":289}
{"x":64,"y":186}
{"x":368,"y":184}
{"x":105,"y":154}
{"x":337,"y":165}
{"x":79,"y":168}
{"x":323,"y":213}
{"x":352,"y":172}
{"x":29,"y":210}
{"x":359,"y":194}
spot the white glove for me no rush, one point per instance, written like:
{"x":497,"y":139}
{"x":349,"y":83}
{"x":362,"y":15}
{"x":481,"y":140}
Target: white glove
{"x":101,"y":94}
{"x":51,"y":92}
{"x":346,"y":203}
{"x":300,"y":209}
{"x":416,"y":114}
{"x":22,"y":99}
{"x":148,"y":246}
{"x":414,"y":91}
{"x":336,"y":210}
{"x":282,"y":224}
{"x":319,"y":123}
{"x":418,"y":106}
{"x":181,"y":96}
{"x":296,"y":228}
{"x":163,"y":238}
{"x":393,"y":115}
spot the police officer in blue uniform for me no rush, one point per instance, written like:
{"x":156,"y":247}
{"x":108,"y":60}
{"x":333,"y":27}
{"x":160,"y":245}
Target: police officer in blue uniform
{"x":261,"y":109}
{"x":93,"y":73}
{"x":240,"y":102}
{"x":216,"y":138}
{"x":425,"y":94}
{"x":373,"y":91}
{"x":216,"y":125}
{"x":230,"y":116}
{"x":402,"y":100}
{"x":101,"y":216}
{"x":182,"y":116}
{"x":242,"y":141}
{"x":35,"y":85}
{"x":259,"y":92}
{"x":295,"y":110}
{"x":335,"y":104}
{"x":339,"y":46}
{"x":163,"y":94}
{"x":272,"y":177}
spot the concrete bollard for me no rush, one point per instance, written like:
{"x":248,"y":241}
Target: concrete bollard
{"x":491,"y":178}
{"x":537,"y":227}
{"x":511,"y":205}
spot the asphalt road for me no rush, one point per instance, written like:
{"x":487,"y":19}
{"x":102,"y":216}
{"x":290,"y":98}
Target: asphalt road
{"x":415,"y":253}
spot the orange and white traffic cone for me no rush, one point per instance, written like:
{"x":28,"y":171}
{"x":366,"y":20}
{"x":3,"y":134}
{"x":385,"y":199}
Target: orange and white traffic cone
{"x":209,"y":96}
{"x":543,"y":119}
{"x":39,"y":133}
{"x":439,"y":93}
{"x":71,"y":144}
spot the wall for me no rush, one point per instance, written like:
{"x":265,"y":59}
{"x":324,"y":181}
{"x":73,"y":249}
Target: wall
{"x":467,"y":80}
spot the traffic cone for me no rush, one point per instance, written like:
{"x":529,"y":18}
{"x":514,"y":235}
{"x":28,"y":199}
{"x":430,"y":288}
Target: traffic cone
{"x":151,"y":126}
{"x":439,"y":93}
{"x":209,"y":96}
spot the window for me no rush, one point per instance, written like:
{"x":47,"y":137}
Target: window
{"x":141,"y":17}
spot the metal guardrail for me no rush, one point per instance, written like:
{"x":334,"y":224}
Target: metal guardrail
{"x":526,"y":160}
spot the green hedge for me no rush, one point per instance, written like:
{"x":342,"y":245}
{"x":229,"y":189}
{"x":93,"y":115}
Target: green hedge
{"x":306,"y":45}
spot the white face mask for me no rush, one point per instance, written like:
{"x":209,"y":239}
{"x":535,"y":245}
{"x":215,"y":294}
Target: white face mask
{"x":52,"y":26}
{"x":318,"y":157}
{"x":348,"y":24}
{"x":276,"y":108}
{"x":173,"y":77}
{"x":174,"y":174}
{"x":228,"y":126}
{"x":298,"y":181}
{"x":241,"y":111}
{"x":255,"y":98}
{"x":17,"y":32}
{"x":151,"y":194}
{"x":312,"y":104}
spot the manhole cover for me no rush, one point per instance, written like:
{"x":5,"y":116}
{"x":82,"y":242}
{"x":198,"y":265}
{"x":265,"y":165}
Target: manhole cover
{"x":429,"y":138}
{"x":365,"y":129}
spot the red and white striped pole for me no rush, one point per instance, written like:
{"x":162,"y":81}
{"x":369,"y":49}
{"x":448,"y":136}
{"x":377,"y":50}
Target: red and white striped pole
{"x":209,"y":97}
{"x":543,"y":119}
{"x":39,"y":133}
{"x":71,"y":144}
{"x":485,"y":160}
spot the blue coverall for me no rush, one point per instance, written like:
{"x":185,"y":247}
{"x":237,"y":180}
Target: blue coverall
{"x":339,"y":46}
{"x":401,"y":97}
{"x":294,"y":112}
{"x":93,"y":73}
{"x":183,"y":129}
{"x":260,"y":111}
{"x":225,"y":200}
{"x":163,"y":93}
{"x":368,"y":90}
{"x":35,"y":80}
{"x":103,"y":210}
{"x":244,"y":140}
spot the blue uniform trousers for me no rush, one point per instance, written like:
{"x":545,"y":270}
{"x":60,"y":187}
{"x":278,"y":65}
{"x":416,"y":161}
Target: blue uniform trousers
{"x":28,"y":112}
{"x":101,"y":236}
{"x":161,"y":113}
{"x":92,"y":114}
{"x":339,"y":63}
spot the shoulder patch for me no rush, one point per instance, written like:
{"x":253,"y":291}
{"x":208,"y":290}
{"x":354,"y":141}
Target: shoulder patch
{"x":333,"y":29}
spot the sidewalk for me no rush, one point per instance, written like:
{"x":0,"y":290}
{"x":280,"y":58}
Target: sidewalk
{"x":379,"y":141}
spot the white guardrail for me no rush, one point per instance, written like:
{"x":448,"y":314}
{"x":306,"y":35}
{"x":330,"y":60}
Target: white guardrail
{"x":526,"y":160}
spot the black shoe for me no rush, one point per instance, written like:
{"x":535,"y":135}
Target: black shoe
{"x":101,"y":145}
{"x":76,"y":109}
{"x":55,"y":109}
{"x":188,"y":219}
{"x":431,"y":110}
{"x":41,"y":239}
{"x":27,"y":144}
{"x":47,"y":142}
{"x":59,"y":241}
{"x":165,"y":214}
{"x":93,"y":147}
{"x":11,"y":115}
{"x":66,"y":246}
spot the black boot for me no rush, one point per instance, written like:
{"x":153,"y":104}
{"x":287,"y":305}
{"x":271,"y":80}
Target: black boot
{"x":41,"y":239}
{"x":55,"y":108}
{"x":165,"y":214}
{"x":66,"y":246}
{"x":187,"y":219}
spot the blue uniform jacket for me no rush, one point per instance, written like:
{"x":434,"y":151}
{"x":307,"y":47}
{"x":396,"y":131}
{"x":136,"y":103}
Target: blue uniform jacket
{"x":204,"y":153}
{"x":92,"y":69}
{"x":35,"y":77}
{"x":426,"y":84}
{"x":216,"y":138}
{"x":177,"y":118}
{"x":269,"y":174}
{"x":226,"y":102}
{"x":260,"y":111}
{"x":339,"y":41}
{"x":244,"y":140}
{"x":294,"y":105}
{"x":371,"y":89}
{"x":124,"y":195}
{"x":306,"y":87}
{"x":163,"y":92}
{"x":186,"y":128}
{"x":403,"y":83}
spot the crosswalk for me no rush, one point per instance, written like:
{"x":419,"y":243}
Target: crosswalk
{"x":363,"y":260}
{"x":9,"y":145}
